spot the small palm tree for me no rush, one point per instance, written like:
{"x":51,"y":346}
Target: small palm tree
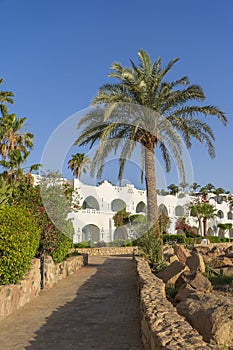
{"x":78,"y":163}
{"x":164,"y":111}
{"x":173,"y":189}
{"x":5,"y":97}
{"x":195,"y":186}
{"x":203,"y":211}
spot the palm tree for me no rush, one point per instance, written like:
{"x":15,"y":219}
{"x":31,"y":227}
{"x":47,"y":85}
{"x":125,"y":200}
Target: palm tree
{"x":163,"y":109}
{"x":195,"y":186}
{"x":78,"y":163}
{"x":5,"y":97}
{"x":173,"y":189}
{"x":203,"y":211}
{"x":183,"y":185}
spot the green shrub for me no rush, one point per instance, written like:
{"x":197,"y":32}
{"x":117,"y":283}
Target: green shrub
{"x":173,"y":238}
{"x":151,"y":246}
{"x":62,"y":249}
{"x":19,"y":241}
{"x":213,"y":239}
{"x":80,"y":245}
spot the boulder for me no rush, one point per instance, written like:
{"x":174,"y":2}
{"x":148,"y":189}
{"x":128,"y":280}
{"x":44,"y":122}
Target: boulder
{"x":171,"y":273}
{"x":168,"y":249}
{"x":215,"y":252}
{"x":201,"y":249}
{"x":221,"y":261}
{"x":181,"y":253}
{"x":195,"y":262}
{"x":171,"y":258}
{"x":211,"y":316}
{"x":195,"y":280}
{"x":229,"y":252}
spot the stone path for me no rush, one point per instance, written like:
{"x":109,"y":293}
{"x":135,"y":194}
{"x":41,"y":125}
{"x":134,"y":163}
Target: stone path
{"x":95,"y":308}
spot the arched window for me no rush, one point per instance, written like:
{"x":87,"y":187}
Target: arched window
{"x":117,"y":204}
{"x":162,"y":209}
{"x":220,"y":214}
{"x":179,"y":210}
{"x":90,"y":202}
{"x":141,"y":207}
{"x":230,"y":215}
{"x":120,"y":233}
{"x":91,"y":233}
{"x":210,"y":232}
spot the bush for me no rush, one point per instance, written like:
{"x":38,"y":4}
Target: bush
{"x":213,"y":239}
{"x":19,"y":241}
{"x":80,"y":245}
{"x":62,"y":248}
{"x":151,"y":246}
{"x":173,"y":238}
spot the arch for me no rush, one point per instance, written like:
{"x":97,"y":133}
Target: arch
{"x":179,"y":210}
{"x":231,"y":233}
{"x":220,"y":214}
{"x":230,"y":215}
{"x":120,"y":233}
{"x":141,"y":207}
{"x":117,"y":204}
{"x":221,"y":233}
{"x":90,"y":202}
{"x":162,"y":210}
{"x":210,"y":232}
{"x":91,"y":232}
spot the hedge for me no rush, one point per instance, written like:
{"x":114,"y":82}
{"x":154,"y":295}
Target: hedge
{"x":19,"y":241}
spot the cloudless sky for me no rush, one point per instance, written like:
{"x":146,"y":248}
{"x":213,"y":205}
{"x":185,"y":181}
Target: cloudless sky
{"x":55,"y":54}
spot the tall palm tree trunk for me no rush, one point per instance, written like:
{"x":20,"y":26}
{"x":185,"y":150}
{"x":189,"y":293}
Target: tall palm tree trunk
{"x":204,"y":226}
{"x":152,"y":204}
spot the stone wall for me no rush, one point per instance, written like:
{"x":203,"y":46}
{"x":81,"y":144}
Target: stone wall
{"x":13,"y":296}
{"x":53,"y":273}
{"x":108,"y":250}
{"x":161,"y":326}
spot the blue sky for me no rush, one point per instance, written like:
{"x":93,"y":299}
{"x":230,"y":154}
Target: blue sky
{"x":55,"y":54}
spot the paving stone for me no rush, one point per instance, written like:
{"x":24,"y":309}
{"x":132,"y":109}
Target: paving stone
{"x":95,"y":308}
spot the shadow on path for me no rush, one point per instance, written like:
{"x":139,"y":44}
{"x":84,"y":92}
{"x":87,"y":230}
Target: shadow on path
{"x":104,"y":314}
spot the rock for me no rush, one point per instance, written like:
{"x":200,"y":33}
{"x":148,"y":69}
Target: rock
{"x":171,"y":273}
{"x":170,"y":259}
{"x":195,"y":262}
{"x":215,"y":252}
{"x":201,"y":249}
{"x":221,"y":261}
{"x":211,"y":316}
{"x":168,"y":249}
{"x":229,"y":252}
{"x":195,"y":280}
{"x":181,"y":253}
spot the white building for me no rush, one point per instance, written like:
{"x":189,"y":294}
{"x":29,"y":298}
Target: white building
{"x":99,"y":204}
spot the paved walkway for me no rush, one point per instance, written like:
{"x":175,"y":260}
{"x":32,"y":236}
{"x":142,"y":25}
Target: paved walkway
{"x":95,"y":308}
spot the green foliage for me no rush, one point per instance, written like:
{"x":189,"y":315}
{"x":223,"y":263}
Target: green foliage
{"x":151,"y":246}
{"x":173,"y":238}
{"x":213,"y":239}
{"x":6,"y":191}
{"x":19,"y":240}
{"x":80,"y":245}
{"x":121,"y":218}
{"x":164,"y":222}
{"x":62,"y":248}
{"x":50,"y":203}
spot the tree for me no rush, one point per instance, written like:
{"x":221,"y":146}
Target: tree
{"x":15,"y":144}
{"x":183,"y":185}
{"x":203,"y":211}
{"x":163,"y":109}
{"x":5,"y":97}
{"x":225,"y":227}
{"x":78,"y":163}
{"x":195,"y":186}
{"x":173,"y":189}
